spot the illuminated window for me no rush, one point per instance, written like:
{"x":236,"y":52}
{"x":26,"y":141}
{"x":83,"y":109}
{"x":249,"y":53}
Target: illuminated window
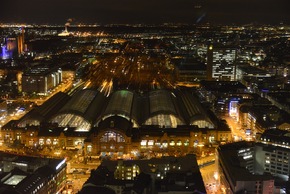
{"x":247,"y":157}
{"x":55,"y":141}
{"x":89,"y":148}
{"x":48,"y":141}
{"x":164,"y":144}
{"x":41,"y":141}
{"x":157,"y":142}
{"x":150,"y":142}
{"x":172,"y":143}
{"x":179,"y":143}
{"x":112,"y":136}
{"x":143,"y":142}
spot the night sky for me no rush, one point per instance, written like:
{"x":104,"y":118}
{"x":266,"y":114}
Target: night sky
{"x":145,"y":11}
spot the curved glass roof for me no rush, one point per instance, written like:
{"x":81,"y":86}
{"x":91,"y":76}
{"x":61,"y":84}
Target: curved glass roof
{"x":32,"y":122}
{"x":80,"y":101}
{"x":120,"y":104}
{"x":45,"y":111}
{"x":79,"y":111}
{"x":161,"y":102}
{"x":86,"y":108}
{"x":202,"y":124}
{"x":192,"y":110}
{"x":167,"y":121}
{"x":72,"y":120}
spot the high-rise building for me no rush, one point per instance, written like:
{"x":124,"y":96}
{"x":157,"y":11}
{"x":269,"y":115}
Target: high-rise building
{"x":10,"y":47}
{"x":221,"y":63}
{"x":13,"y":45}
{"x":20,"y":42}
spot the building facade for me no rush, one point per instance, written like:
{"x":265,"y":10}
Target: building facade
{"x":125,"y":124}
{"x":221,"y":63}
{"x":40,"y":80}
{"x":25,"y":174}
{"x":253,"y":168}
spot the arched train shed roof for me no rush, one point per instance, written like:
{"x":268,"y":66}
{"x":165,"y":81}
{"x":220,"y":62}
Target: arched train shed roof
{"x":122,"y":103}
{"x":46,"y":110}
{"x":86,"y":103}
{"x":89,"y":107}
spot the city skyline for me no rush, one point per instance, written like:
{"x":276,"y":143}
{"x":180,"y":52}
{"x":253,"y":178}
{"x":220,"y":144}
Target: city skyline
{"x":139,"y":11}
{"x":156,"y":96}
{"x":101,"y":98}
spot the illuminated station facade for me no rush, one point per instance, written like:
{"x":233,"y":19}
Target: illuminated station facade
{"x":122,"y":124}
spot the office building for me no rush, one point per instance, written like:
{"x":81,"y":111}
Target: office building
{"x":249,"y":167}
{"x":40,"y":80}
{"x":221,"y":63}
{"x":25,"y":174}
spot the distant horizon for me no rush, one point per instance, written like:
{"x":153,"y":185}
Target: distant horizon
{"x":75,"y":24}
{"x":5,"y":24}
{"x":216,"y":12}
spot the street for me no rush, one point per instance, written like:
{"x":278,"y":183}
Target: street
{"x":210,"y":178}
{"x":79,"y":172}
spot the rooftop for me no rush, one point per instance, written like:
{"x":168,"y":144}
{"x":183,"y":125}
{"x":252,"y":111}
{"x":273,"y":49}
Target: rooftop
{"x":89,"y":107}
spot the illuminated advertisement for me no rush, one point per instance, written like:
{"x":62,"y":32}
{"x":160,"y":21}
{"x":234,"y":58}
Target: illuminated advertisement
{"x":233,"y":108}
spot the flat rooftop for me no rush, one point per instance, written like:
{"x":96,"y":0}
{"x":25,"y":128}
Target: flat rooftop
{"x":14,"y":180}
